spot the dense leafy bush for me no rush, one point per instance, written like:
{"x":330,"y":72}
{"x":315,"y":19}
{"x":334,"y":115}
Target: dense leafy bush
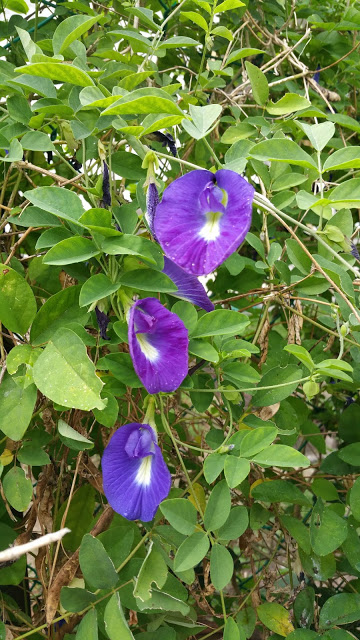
{"x":252,"y":385}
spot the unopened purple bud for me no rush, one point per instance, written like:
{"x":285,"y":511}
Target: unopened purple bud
{"x":106,"y":199}
{"x":317,"y":74}
{"x":152,"y":201}
{"x":103,"y":321}
{"x":354,"y":251}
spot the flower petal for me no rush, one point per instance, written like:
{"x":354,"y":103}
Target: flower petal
{"x":195,"y":229}
{"x":158,"y":343}
{"x":189,"y":287}
{"x":135,"y":486}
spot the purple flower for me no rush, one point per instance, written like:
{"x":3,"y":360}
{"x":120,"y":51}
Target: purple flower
{"x":158,"y":343}
{"x":135,"y":476}
{"x":203,"y":218}
{"x":189,"y":287}
{"x":103,"y":321}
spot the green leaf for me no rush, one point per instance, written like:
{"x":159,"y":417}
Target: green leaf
{"x":256,"y":440}
{"x":72,"y":438}
{"x":221,"y":566}
{"x":287,"y":104}
{"x":79,"y":516}
{"x":327,"y":530}
{"x":88,"y":628}
{"x":231,"y":631}
{"x":109,"y":414}
{"x":33,"y":456}
{"x":58,"y":311}
{"x":37,"y":141}
{"x":238,"y":54}
{"x":17,"y":488}
{"x":181,"y":514}
{"x":96,"y":566}
{"x":61,"y":202}
{"x":15,"y":152}
{"x":297,"y":256}
{"x":19,"y":109}
{"x":187,"y":313}
{"x":287,"y":376}
{"x":151,"y":100}
{"x":71,"y":29}
{"x":153,"y":570}
{"x":18,"y":6}
{"x":279,"y":491}
{"x":301,"y":354}
{"x":236,"y":470}
{"x":197,"y":18}
{"x":351,"y":454}
{"x":218,"y":507}
{"x":258,"y":81}
{"x":203,"y":119}
{"x":191,"y":551}
{"x":121,"y":366}
{"x":342,"y":608}
{"x":275,"y":617}
{"x":348,"y":158}
{"x":238,"y":132}
{"x":14,"y":573}
{"x":235,"y":525}
{"x":134,"y":246}
{"x":115,"y":623}
{"x":16,"y":407}
{"x":65,"y":374}
{"x":74,"y":599}
{"x":324,"y":489}
{"x":177,"y":41}
{"x":282,"y":150}
{"x":70,"y":251}
{"x":148,"y":280}
{"x":57,"y":71}
{"x":354,"y":499}
{"x":17,"y":301}
{"x":298,"y":531}
{"x":204,"y":350}
{"x":96,"y":288}
{"x":220,"y":322}
{"x":304,"y":606}
{"x":318,"y":134}
{"x":223,"y":32}
{"x":213,"y":466}
{"x":280,"y":455}
{"x":228,"y":5}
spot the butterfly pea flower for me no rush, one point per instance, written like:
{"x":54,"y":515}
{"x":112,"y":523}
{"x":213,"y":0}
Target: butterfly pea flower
{"x":158,"y":344}
{"x":189,"y":287}
{"x":203,"y":217}
{"x":135,"y":476}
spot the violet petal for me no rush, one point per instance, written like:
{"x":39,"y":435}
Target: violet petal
{"x":135,"y":476}
{"x":195,"y":229}
{"x":189,"y":287}
{"x":158,"y":343}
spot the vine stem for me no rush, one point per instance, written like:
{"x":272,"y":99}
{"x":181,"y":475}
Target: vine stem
{"x":173,"y":440}
{"x":273,"y":386}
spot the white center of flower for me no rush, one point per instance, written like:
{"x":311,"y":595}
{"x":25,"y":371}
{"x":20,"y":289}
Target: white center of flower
{"x":211,"y":229}
{"x":150,"y":352}
{"x":143,"y":475}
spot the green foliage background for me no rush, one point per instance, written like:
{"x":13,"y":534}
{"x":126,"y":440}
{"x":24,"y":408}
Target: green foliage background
{"x":260,"y":540}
